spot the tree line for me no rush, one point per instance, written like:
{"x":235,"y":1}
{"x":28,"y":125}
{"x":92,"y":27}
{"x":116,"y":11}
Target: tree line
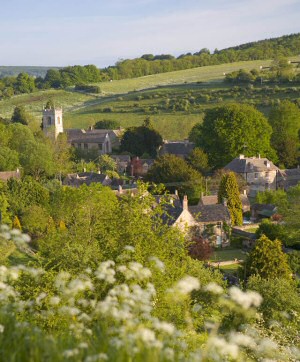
{"x":149,"y":64}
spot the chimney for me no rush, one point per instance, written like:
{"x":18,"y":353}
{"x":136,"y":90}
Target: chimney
{"x":176,"y":192}
{"x":99,"y":172}
{"x":120,"y":189}
{"x":245,"y":192}
{"x":225,"y":202}
{"x":185,"y":202}
{"x":259,"y":155}
{"x":241,"y":157}
{"x":84,"y":169}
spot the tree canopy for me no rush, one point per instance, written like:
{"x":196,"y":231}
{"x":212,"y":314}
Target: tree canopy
{"x":140,"y":140}
{"x":229,"y":192}
{"x":285,"y":121}
{"x":176,"y":174}
{"x":230,"y":130}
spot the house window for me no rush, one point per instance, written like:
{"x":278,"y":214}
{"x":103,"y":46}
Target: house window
{"x":100,"y":146}
{"x":85,"y":146}
{"x":256,"y":174}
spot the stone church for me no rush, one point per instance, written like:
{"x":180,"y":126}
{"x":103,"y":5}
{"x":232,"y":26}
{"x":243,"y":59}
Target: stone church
{"x":91,"y":139}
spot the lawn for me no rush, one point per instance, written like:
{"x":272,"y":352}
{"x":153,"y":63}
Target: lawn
{"x":227,"y":255}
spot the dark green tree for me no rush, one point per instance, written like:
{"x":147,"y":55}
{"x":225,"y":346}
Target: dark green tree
{"x":230,"y":130}
{"x":198,"y":159}
{"x":142,"y":139}
{"x":229,"y":192}
{"x":176,"y":174}
{"x":268,"y":260}
{"x":285,"y":121}
{"x":107,"y":124}
{"x":20,"y":116}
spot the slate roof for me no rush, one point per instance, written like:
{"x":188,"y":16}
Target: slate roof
{"x":86,"y":136}
{"x":177,"y":148}
{"x":289,"y":178}
{"x":172,"y":213}
{"x":77,"y":179}
{"x":121,"y":158}
{"x":264,"y":209}
{"x":210,"y":213}
{"x":243,"y":164}
{"x":213,"y":200}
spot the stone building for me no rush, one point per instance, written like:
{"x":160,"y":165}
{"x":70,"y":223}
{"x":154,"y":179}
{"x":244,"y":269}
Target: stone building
{"x":52,"y":122}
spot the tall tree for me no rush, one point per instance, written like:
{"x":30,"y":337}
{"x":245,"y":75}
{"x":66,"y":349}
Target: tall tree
{"x":20,"y":116}
{"x":232,"y":129}
{"x":142,"y":139}
{"x":176,"y":174}
{"x":268,"y":260}
{"x":285,"y":121}
{"x":229,"y":192}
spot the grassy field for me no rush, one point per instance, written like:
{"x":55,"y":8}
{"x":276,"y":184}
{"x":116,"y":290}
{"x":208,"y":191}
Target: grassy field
{"x":210,"y":73}
{"x":175,"y":101}
{"x":227,"y":255}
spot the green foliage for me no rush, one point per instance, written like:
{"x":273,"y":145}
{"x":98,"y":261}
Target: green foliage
{"x":294,"y":261}
{"x":176,"y":174}
{"x":198,"y":159}
{"x":229,"y":191}
{"x":9,"y":159}
{"x":107,"y":163}
{"x":275,"y":197}
{"x":268,"y":260}
{"x":107,"y":124}
{"x":138,"y":140}
{"x":285,"y":121}
{"x":233,"y":129}
{"x":20,"y":116}
{"x":271,"y":230}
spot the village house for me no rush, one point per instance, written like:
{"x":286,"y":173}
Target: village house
{"x":177,"y":148}
{"x":213,"y":200}
{"x":100,"y":140}
{"x":81,"y":178}
{"x":259,"y":173}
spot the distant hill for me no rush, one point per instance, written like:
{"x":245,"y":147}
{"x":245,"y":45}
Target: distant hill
{"x":7,"y":71}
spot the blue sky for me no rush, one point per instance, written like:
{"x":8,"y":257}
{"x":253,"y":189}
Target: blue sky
{"x":68,"y":32}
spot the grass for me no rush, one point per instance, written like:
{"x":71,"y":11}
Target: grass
{"x":227,"y":255}
{"x":131,"y":100}
{"x":211,"y":73}
{"x":230,"y":269}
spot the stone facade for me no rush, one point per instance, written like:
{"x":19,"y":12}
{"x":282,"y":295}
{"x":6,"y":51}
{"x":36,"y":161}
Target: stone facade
{"x":52,"y":122}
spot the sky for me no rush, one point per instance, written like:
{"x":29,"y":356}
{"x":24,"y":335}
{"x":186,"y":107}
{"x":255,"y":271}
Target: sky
{"x":69,"y":32}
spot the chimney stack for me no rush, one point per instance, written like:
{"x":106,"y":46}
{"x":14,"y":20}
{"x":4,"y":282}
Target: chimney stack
{"x":176,"y":192}
{"x":185,"y":202}
{"x":225,"y":202}
{"x":120,"y":189}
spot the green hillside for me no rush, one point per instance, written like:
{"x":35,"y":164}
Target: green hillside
{"x":174,"y":100}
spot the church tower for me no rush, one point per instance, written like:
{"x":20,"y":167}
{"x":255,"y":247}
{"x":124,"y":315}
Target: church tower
{"x":52,"y":122}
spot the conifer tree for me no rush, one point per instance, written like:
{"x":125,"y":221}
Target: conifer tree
{"x":268,"y":260}
{"x":229,"y":192}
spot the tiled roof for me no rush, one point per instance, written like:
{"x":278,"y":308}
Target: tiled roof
{"x":183,"y":148}
{"x":250,"y":164}
{"x":77,"y":179}
{"x":210,"y":213}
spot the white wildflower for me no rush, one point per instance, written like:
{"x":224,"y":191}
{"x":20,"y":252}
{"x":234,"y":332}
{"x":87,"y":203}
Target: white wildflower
{"x":164,"y":327}
{"x":187,"y":284}
{"x":213,"y":288}
{"x":106,"y":272}
{"x":245,"y":299}
{"x":40,"y":297}
{"x":129,"y":248}
{"x":243,"y":340}
{"x":71,"y":353}
{"x":1,"y":328}
{"x":83,"y":345}
{"x":224,"y":347}
{"x":15,"y":232}
{"x":168,"y":353}
{"x":96,"y":358}
{"x":54,"y":300}
{"x":158,"y":263}
{"x":146,"y":335}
